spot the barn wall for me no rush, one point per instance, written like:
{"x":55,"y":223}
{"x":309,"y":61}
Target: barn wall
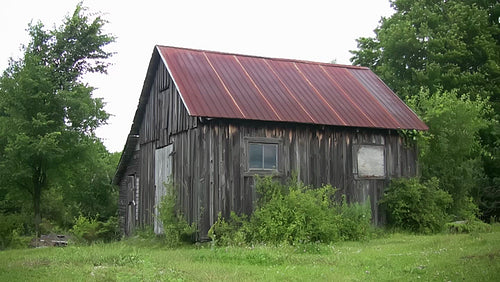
{"x":210,"y":159}
{"x":210,"y":164}
{"x":127,"y":195}
{"x":164,"y":116}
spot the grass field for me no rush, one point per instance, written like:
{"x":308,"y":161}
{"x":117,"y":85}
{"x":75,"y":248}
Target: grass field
{"x":396,"y":257}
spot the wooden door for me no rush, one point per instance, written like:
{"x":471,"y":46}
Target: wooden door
{"x":163,"y":175}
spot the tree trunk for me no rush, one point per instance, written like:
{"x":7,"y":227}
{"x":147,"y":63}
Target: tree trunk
{"x":39,"y":178}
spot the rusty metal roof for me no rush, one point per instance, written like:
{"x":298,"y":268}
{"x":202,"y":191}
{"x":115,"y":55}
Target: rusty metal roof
{"x":221,"y":85}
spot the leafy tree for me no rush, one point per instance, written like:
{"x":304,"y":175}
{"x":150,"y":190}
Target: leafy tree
{"x":448,"y":45}
{"x":86,"y":187}
{"x":47,"y":114}
{"x":451,"y":150}
{"x":451,"y":49}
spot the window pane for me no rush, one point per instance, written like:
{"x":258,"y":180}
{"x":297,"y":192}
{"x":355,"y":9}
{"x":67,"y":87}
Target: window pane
{"x":371,"y":161}
{"x":255,"y":155}
{"x":270,"y":153}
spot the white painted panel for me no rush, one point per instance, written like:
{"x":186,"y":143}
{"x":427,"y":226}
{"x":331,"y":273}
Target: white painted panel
{"x":371,"y":161}
{"x":163,"y":174}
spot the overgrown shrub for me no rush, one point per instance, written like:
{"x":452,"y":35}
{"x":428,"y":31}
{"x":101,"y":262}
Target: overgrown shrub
{"x":302,"y":215}
{"x":11,"y":227}
{"x":89,"y":230}
{"x":229,"y":232}
{"x":295,"y":214}
{"x":175,"y":226}
{"x":416,"y":206}
{"x":356,"y":220}
{"x":468,"y":226}
{"x":267,"y":189}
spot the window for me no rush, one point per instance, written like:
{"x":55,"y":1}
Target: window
{"x":370,"y":161}
{"x":262,"y":156}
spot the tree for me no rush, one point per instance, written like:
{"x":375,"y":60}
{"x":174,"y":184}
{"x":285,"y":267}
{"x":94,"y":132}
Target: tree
{"x":451,"y":150}
{"x":47,"y":114}
{"x":446,"y":47}
{"x":86,"y":187}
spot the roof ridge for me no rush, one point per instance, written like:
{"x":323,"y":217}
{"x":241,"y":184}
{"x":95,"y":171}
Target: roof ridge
{"x":266,"y":58}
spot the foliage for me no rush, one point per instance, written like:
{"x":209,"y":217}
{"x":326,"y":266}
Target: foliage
{"x":449,"y":49}
{"x":10,"y":228}
{"x":468,"y":226}
{"x":489,"y":203}
{"x":416,"y":206}
{"x":302,"y":215}
{"x":15,"y":218}
{"x":175,"y":226}
{"x":294,"y":214}
{"x":395,"y":257}
{"x":267,"y":189}
{"x":47,"y":115}
{"x":229,"y":232}
{"x":451,"y":150}
{"x":85,"y":187}
{"x":355,"y":220}
{"x":90,"y":230}
{"x":435,"y":44}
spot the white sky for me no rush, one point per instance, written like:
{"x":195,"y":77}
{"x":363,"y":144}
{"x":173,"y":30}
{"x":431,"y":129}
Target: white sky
{"x":311,"y":30}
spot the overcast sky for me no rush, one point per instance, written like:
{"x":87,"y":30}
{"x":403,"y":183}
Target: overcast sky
{"x":311,"y":30}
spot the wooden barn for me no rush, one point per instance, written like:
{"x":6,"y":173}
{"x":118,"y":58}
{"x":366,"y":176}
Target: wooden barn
{"x":210,"y":121}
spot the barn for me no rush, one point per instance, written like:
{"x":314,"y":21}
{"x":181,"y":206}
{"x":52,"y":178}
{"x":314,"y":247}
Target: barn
{"x":210,"y":121}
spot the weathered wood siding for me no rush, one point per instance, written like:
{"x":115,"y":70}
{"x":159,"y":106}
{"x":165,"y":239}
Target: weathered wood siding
{"x":210,"y":164}
{"x":210,"y":158}
{"x":164,"y":116}
{"x":127,"y":195}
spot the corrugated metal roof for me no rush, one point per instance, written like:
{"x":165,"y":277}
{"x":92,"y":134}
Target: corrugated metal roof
{"x":221,"y":85}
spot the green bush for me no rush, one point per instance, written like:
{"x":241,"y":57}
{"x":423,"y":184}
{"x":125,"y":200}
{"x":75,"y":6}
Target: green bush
{"x":89,"y":230}
{"x":228,"y":232}
{"x":416,"y":206}
{"x":302,"y":215}
{"x":267,"y":189}
{"x":11,"y":226}
{"x":175,"y":226}
{"x":294,"y":214}
{"x":356,"y":221}
{"x":468,"y":226}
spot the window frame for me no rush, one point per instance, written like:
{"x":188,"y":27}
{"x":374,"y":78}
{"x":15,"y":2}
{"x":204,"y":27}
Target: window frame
{"x":264,"y":141}
{"x":355,"y":159}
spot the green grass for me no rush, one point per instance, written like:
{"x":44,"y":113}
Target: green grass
{"x":397,"y":257}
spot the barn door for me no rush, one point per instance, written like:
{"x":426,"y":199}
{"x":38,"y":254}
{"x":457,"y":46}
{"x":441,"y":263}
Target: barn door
{"x":163,"y":175}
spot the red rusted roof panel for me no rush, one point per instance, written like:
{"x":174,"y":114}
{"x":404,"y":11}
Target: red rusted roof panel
{"x":389,"y":100}
{"x":274,"y":92}
{"x":239,"y":87}
{"x":220,"y":85}
{"x":334,"y":96}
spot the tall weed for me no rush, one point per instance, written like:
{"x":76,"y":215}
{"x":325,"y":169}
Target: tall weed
{"x":356,"y":220}
{"x":89,"y":229}
{"x":229,"y":232}
{"x":175,"y":226}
